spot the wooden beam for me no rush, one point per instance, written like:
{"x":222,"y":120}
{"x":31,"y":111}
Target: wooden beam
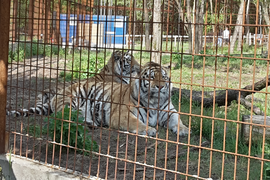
{"x":4,"y":39}
{"x":47,"y":21}
{"x":14,"y":21}
{"x":30,"y":19}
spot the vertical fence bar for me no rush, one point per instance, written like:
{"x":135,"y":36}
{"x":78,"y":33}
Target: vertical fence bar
{"x":4,"y":38}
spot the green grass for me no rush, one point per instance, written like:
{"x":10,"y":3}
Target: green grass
{"x":179,"y":47}
{"x":215,"y":128}
{"x":27,"y":49}
{"x":200,"y":70}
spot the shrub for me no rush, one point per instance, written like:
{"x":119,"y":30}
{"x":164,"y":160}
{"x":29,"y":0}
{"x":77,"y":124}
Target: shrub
{"x":54,"y":50}
{"x":72,"y":130}
{"x":28,"y":49}
{"x":83,"y":67}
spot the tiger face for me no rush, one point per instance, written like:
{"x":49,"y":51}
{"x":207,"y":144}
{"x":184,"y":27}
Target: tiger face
{"x":124,"y":66}
{"x":155,"y":79}
{"x":127,"y":63}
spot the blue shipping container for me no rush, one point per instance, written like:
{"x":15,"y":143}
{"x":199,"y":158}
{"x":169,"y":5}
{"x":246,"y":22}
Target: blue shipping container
{"x":72,"y":26}
{"x":115,"y":27}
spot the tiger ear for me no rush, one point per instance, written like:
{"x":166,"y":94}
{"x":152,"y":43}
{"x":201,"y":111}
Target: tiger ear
{"x":168,"y":67}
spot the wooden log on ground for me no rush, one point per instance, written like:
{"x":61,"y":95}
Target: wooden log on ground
{"x":257,"y":131}
{"x":221,"y":97}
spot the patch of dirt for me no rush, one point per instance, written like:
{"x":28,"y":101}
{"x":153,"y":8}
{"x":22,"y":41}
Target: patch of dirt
{"x":120,"y":155}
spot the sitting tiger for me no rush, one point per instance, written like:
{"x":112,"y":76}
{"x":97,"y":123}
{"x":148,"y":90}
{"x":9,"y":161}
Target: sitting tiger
{"x":120,"y":68}
{"x":126,"y":106}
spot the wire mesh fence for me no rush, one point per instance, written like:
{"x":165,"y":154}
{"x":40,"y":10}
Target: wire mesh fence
{"x":83,"y":95}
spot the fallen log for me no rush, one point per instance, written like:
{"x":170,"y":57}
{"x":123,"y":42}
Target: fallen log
{"x":223,"y":97}
{"x":257,"y":131}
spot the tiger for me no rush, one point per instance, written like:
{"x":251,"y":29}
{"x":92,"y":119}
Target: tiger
{"x":137,"y":107}
{"x":120,"y":68}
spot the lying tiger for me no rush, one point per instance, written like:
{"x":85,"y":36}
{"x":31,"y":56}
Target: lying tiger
{"x":100,"y":102}
{"x":120,"y":68}
{"x":126,"y":106}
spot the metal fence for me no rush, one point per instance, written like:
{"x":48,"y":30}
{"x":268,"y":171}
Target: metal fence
{"x":214,"y":53}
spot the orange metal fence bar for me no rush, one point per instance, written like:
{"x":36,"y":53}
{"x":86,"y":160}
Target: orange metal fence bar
{"x":120,"y":153}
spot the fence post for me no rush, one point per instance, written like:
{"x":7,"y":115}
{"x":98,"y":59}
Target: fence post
{"x":4,"y":38}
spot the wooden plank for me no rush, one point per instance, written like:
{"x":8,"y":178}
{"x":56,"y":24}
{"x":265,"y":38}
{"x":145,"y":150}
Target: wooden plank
{"x":14,"y":21}
{"x":47,"y":21}
{"x":57,"y":34}
{"x":30,"y":18}
{"x":4,"y":39}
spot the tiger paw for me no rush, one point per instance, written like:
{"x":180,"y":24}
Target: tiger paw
{"x":183,"y":130}
{"x":151,"y":131}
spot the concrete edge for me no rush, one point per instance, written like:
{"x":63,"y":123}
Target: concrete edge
{"x":17,"y":167}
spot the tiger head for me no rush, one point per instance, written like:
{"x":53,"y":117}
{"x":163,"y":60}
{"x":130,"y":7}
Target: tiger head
{"x":155,"y":80}
{"x":125,"y":63}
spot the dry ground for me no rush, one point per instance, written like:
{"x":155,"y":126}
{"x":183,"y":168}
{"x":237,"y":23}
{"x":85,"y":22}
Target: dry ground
{"x":27,"y":79}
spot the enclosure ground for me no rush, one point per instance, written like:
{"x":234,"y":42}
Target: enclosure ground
{"x":27,"y":79}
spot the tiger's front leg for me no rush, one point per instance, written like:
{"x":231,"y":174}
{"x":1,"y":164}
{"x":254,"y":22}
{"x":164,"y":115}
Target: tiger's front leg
{"x":174,"y":120}
{"x":86,"y":113}
{"x":173,"y":125}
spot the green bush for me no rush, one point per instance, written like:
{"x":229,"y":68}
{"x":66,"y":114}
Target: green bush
{"x":28,"y":49}
{"x":54,"y":50}
{"x":73,"y":130}
{"x":83,"y":67}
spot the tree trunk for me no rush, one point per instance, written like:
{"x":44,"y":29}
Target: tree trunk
{"x":265,"y":8}
{"x":220,"y":95}
{"x":134,"y":24}
{"x":190,"y":29}
{"x":196,"y":22}
{"x":240,"y":37}
{"x":213,"y":26}
{"x":199,"y":28}
{"x":247,"y":22}
{"x":156,"y":44}
{"x":181,"y":14}
{"x":238,"y":27}
{"x":147,"y":29}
